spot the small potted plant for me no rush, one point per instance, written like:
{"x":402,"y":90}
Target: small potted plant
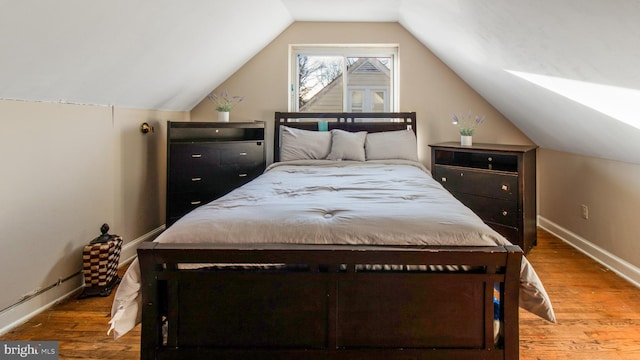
{"x":224,"y":103}
{"x":467,"y":125}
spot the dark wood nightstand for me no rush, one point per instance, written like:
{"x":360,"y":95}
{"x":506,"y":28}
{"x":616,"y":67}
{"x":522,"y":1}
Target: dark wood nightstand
{"x":497,"y":182}
{"x":206,"y":160}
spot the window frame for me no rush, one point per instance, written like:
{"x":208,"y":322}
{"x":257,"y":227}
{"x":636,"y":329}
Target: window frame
{"x":345,"y":51}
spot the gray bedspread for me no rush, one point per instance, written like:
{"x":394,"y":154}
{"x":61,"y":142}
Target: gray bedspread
{"x":327,"y":202}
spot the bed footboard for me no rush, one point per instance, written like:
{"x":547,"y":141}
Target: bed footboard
{"x":328,"y":302}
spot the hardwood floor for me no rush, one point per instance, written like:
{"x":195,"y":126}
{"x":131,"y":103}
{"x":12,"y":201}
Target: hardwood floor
{"x":598,"y":312}
{"x":80,"y":327}
{"x":598,"y":315}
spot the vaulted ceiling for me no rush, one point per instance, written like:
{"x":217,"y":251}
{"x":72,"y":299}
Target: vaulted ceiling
{"x":564,"y":72}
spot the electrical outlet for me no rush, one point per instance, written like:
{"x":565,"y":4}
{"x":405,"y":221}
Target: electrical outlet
{"x":584,"y":211}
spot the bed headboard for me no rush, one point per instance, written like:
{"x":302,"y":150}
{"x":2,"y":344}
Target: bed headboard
{"x":369,"y":122}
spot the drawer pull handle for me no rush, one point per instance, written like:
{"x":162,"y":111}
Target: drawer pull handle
{"x":490,"y":158}
{"x":196,"y":156}
{"x":243,"y":154}
{"x":196,"y":202}
{"x":196,"y":179}
{"x":504,"y":213}
{"x":444,"y":179}
{"x":242,"y":175}
{"x":505,"y":187}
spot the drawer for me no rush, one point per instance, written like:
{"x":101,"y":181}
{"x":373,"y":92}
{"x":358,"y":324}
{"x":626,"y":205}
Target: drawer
{"x":478,"y":182}
{"x":181,"y":203}
{"x":494,"y":210}
{"x":235,"y":179}
{"x":185,"y":156}
{"x":241,"y":174}
{"x":213,"y":177}
{"x":197,"y":178}
{"x":242,"y":153}
{"x":193,"y":180}
{"x":510,"y":233}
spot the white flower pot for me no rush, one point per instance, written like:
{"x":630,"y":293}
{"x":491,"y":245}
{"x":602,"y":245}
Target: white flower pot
{"x":223,"y":116}
{"x":466,"y":140}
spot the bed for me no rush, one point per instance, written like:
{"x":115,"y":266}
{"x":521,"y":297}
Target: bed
{"x":345,"y":248}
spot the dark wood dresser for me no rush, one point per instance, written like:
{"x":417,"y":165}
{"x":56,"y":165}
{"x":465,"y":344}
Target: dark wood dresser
{"x":497,"y":182}
{"x":206,"y":160}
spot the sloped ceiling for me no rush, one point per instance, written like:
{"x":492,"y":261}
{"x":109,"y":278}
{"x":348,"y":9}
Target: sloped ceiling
{"x":150,"y":54}
{"x":565,"y":72}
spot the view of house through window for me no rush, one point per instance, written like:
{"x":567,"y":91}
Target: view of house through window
{"x":349,"y":79}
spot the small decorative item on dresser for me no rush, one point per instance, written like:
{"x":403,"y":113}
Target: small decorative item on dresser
{"x":466,"y":125}
{"x":223,"y":116}
{"x":100,"y":264}
{"x":224,"y":103}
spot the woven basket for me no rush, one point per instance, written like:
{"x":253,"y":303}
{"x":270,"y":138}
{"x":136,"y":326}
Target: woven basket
{"x":100,"y":267}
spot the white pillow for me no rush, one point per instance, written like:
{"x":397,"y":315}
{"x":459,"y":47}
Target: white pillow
{"x":347,"y":145}
{"x":400,"y":144}
{"x":298,"y":144}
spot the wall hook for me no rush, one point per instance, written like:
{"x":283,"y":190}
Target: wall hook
{"x":146,"y":128}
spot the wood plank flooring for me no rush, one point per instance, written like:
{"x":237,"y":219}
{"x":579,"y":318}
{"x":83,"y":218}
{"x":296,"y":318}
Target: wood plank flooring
{"x":80,"y":327}
{"x":598,"y":316}
{"x":598,"y":312}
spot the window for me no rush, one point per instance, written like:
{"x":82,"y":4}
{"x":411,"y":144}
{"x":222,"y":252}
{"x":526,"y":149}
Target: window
{"x":344,"y":78}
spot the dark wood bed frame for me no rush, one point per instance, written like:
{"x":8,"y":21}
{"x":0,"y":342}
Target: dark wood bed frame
{"x":324,"y":305}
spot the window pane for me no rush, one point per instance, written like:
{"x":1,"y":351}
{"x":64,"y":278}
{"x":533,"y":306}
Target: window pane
{"x":356,"y":101}
{"x":379,"y":101}
{"x":320,"y":83}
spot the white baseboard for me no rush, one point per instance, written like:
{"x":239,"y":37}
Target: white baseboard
{"x":129,"y":250}
{"x":619,"y":266}
{"x":26,"y":309}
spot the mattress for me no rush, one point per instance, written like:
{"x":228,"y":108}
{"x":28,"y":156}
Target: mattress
{"x":390,"y":202}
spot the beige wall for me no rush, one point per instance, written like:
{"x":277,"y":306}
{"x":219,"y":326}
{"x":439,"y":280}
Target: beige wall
{"x":427,"y":86}
{"x":610,"y":189}
{"x":66,"y":169}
